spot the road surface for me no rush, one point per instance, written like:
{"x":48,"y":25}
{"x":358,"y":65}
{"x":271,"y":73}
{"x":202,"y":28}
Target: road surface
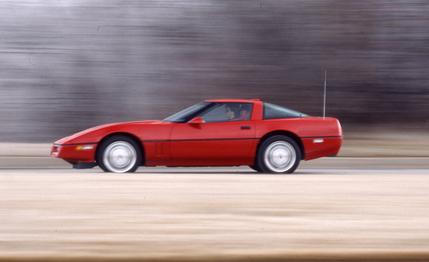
{"x":339,"y":209}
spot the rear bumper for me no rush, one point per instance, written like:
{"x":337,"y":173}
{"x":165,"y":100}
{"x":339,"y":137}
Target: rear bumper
{"x":316,"y":147}
{"x":75,"y":154}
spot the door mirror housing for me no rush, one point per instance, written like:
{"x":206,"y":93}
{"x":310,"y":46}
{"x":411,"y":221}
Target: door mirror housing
{"x":197,"y":121}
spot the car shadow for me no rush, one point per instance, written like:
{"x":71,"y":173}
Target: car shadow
{"x":229,"y":173}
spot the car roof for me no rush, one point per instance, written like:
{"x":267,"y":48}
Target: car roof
{"x":234,"y":100}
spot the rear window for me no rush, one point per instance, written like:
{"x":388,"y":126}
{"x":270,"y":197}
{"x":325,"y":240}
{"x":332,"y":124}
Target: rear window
{"x":272,"y":111}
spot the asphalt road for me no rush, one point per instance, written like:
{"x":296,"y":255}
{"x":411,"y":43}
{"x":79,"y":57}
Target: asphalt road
{"x":377,"y":210}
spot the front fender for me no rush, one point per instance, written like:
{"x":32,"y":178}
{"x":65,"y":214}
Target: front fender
{"x":88,"y":136}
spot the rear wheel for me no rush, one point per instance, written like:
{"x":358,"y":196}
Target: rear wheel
{"x":279,"y":154}
{"x":119,"y":154}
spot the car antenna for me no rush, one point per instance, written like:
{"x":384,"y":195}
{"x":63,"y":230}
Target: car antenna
{"x":324,"y":96}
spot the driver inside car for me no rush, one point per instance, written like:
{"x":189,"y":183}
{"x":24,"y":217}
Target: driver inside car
{"x":230,"y":112}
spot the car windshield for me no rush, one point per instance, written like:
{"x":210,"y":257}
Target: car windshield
{"x":188,"y":113}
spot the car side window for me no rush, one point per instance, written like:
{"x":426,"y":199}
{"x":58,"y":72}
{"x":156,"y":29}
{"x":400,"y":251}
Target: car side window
{"x":225,"y":112}
{"x":277,"y":112}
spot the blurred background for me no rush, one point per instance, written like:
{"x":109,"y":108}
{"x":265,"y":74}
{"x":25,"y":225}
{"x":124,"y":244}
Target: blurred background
{"x":67,"y":65}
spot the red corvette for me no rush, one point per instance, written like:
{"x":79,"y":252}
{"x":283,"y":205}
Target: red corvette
{"x":224,"y":132}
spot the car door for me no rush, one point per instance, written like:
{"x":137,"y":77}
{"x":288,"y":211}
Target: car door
{"x":226,"y":137}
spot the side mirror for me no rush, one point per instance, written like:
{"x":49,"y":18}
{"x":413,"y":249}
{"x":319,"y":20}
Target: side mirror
{"x":197,"y":121}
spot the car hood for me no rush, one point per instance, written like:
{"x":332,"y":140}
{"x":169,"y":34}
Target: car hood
{"x":95,"y":134}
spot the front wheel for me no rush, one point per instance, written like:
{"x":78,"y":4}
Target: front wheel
{"x":279,"y":154}
{"x":119,"y":154}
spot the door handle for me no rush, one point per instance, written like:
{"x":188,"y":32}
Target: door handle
{"x":245,"y":127}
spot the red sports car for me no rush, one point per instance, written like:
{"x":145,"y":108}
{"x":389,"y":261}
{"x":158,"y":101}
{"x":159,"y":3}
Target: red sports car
{"x":223,"y":132}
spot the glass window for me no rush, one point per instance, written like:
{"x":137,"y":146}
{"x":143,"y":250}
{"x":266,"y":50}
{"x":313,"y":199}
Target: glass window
{"x":188,"y":113}
{"x":275,"y":112}
{"x":223,"y":112}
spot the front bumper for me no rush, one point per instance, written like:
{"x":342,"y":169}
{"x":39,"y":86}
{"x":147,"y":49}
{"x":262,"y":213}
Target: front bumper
{"x":75,"y":153}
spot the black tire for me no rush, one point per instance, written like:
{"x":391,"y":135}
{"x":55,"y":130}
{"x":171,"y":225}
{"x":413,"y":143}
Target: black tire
{"x":284,"y":140}
{"x":119,"y":138}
